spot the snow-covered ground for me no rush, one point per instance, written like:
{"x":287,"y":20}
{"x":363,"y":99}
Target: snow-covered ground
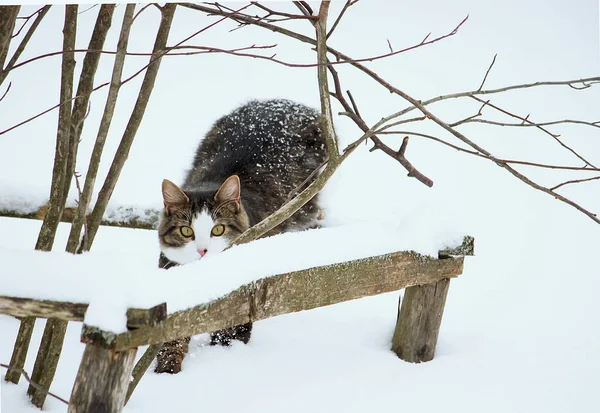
{"x":521,"y":329}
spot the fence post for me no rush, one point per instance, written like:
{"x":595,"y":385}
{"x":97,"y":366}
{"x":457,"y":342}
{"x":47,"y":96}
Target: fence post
{"x":103,"y":377}
{"x":420,"y":313}
{"x":419,"y":320}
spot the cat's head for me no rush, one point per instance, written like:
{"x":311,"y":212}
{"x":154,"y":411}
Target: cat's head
{"x":198,"y":222}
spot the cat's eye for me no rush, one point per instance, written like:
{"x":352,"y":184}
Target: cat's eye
{"x":217,"y":230}
{"x":186,"y":231}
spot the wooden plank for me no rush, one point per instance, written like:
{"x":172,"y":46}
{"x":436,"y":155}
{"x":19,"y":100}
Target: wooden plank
{"x":19,"y":354}
{"x":296,"y":291}
{"x":419,"y":320}
{"x":102,"y":380}
{"x":28,"y":307}
{"x":128,"y":216}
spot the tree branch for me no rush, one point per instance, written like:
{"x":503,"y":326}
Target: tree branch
{"x":339,"y":17}
{"x":40,"y":15}
{"x":56,"y":204}
{"x":84,"y":90}
{"x":546,"y":131}
{"x":79,"y":220}
{"x":574,"y":181}
{"x":135,"y":120}
{"x":32,"y":383}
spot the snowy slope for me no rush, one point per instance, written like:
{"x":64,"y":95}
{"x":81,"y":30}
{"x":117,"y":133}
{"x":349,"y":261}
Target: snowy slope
{"x":521,"y":329}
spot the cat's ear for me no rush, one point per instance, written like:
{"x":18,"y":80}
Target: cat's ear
{"x":229,"y":190}
{"x":173,"y":196}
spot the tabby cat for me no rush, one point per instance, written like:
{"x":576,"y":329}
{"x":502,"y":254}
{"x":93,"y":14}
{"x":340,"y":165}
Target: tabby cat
{"x":244,"y":169}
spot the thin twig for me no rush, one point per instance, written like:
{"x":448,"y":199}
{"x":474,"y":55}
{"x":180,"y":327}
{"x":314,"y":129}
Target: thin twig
{"x":6,"y":92}
{"x":402,"y":149}
{"x":81,"y":202}
{"x":166,"y":52}
{"x":141,"y":11}
{"x":288,"y":16}
{"x":339,"y":17}
{"x":489,"y":157}
{"x":26,"y":18}
{"x":21,"y":47}
{"x":88,"y":9}
{"x":34,"y":384}
{"x":574,"y":181}
{"x":314,"y":173}
{"x":159,"y":55}
{"x":354,"y":107}
{"x":488,"y":72}
{"x":524,"y":123}
{"x":134,"y":121}
{"x":421,"y":106}
{"x":369,"y":133}
{"x":546,"y":131}
{"x":471,"y":118}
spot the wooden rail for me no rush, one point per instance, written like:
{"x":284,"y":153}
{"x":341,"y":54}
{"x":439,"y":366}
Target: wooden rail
{"x":107,"y":363}
{"x":126,"y":217}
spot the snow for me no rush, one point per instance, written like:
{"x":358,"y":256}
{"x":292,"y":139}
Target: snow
{"x":521,"y":327}
{"x":113,"y":281}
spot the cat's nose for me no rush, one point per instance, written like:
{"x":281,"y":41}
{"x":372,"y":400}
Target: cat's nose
{"x":202,"y":252}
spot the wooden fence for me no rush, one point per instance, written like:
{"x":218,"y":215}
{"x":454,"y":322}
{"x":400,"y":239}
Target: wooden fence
{"x":103,"y":380}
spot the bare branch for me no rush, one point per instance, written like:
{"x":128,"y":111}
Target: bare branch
{"x":84,"y":90}
{"x":142,"y":10}
{"x":65,"y":102}
{"x":481,"y":155}
{"x":81,"y":203}
{"x":574,"y":181}
{"x":471,"y":118}
{"x":32,"y":383}
{"x":134,"y":122}
{"x":88,"y":9}
{"x":488,"y":72}
{"x":524,"y":123}
{"x":370,"y":132}
{"x":304,"y":7}
{"x":402,"y":149}
{"x":288,"y":16}
{"x":40,"y":15}
{"x":80,"y":218}
{"x":546,"y":131}
{"x":326,"y":112}
{"x":339,"y":17}
{"x":26,"y":20}
{"x":56,"y":204}
{"x":354,"y":107}
{"x":6,"y":92}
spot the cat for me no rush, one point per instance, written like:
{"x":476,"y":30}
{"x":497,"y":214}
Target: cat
{"x":250,"y":162}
